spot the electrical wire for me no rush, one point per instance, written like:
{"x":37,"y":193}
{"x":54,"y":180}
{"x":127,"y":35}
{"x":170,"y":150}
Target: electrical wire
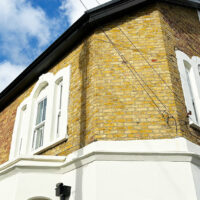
{"x":123,"y":32}
{"x":124,"y":60}
{"x":138,"y":77}
{"x":159,"y":75}
{"x":146,"y":62}
{"x":177,"y":96}
{"x":83,"y":5}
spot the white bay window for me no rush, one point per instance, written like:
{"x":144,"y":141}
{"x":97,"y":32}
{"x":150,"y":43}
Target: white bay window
{"x":41,"y":120}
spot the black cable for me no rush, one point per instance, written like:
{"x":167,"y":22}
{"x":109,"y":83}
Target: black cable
{"x":130,"y":68}
{"x":83,"y":5}
{"x":144,"y":59}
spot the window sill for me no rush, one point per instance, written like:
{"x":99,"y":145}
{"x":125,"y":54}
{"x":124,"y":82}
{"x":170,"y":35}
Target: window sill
{"x":49,"y":146}
{"x":194,"y":125}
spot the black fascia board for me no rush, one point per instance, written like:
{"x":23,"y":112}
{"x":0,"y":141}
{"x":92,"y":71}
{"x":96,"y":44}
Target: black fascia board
{"x":80,"y":29}
{"x":186,"y":3}
{"x":117,"y":7}
{"x":49,"y":57}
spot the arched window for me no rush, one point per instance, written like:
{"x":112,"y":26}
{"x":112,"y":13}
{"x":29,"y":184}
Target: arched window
{"x":41,"y":120}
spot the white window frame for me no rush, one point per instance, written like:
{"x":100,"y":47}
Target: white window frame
{"x":49,"y":81}
{"x":183,"y":60}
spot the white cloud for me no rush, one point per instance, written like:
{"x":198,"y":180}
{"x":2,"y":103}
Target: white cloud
{"x":26,"y":30}
{"x":8,"y":72}
{"x":20,"y":22}
{"x":73,"y":9}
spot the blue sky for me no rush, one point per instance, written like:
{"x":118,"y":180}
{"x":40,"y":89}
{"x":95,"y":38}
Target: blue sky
{"x":28,"y":27}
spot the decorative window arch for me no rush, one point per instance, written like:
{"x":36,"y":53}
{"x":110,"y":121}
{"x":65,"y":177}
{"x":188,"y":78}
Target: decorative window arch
{"x":190,"y":80}
{"x":41,"y":120}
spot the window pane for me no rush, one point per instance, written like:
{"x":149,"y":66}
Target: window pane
{"x":41,"y":111}
{"x":38,"y":141}
{"x":44,"y":109}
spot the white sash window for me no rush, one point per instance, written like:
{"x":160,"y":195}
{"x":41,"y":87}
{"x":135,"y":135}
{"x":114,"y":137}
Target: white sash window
{"x":40,"y":124}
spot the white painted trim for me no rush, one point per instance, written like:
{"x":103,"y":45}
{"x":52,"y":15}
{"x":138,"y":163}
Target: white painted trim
{"x":65,"y":75}
{"x":61,"y":167}
{"x":43,"y":80}
{"x":13,"y":150}
{"x":169,"y":150}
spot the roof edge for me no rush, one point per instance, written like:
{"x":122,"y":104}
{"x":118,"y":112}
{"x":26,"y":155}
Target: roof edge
{"x":75,"y":33}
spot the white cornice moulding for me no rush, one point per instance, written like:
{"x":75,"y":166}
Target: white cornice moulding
{"x":169,"y":150}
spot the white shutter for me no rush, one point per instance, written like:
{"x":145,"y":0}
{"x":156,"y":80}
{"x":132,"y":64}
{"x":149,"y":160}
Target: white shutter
{"x":182,"y":64}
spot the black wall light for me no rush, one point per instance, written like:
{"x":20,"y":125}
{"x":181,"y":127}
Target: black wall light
{"x":63,"y":191}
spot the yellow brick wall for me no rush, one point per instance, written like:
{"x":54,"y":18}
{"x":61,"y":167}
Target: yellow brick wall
{"x":121,"y":101}
{"x":181,"y":31}
{"x":111,"y":99}
{"x":129,"y":97}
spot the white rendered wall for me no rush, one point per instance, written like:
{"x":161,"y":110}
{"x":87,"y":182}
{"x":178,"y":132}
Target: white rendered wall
{"x":145,"y":181}
{"x":8,"y":183}
{"x":36,"y":183}
{"x":196,"y":176}
{"x":83,"y":182}
{"x":142,"y":170}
